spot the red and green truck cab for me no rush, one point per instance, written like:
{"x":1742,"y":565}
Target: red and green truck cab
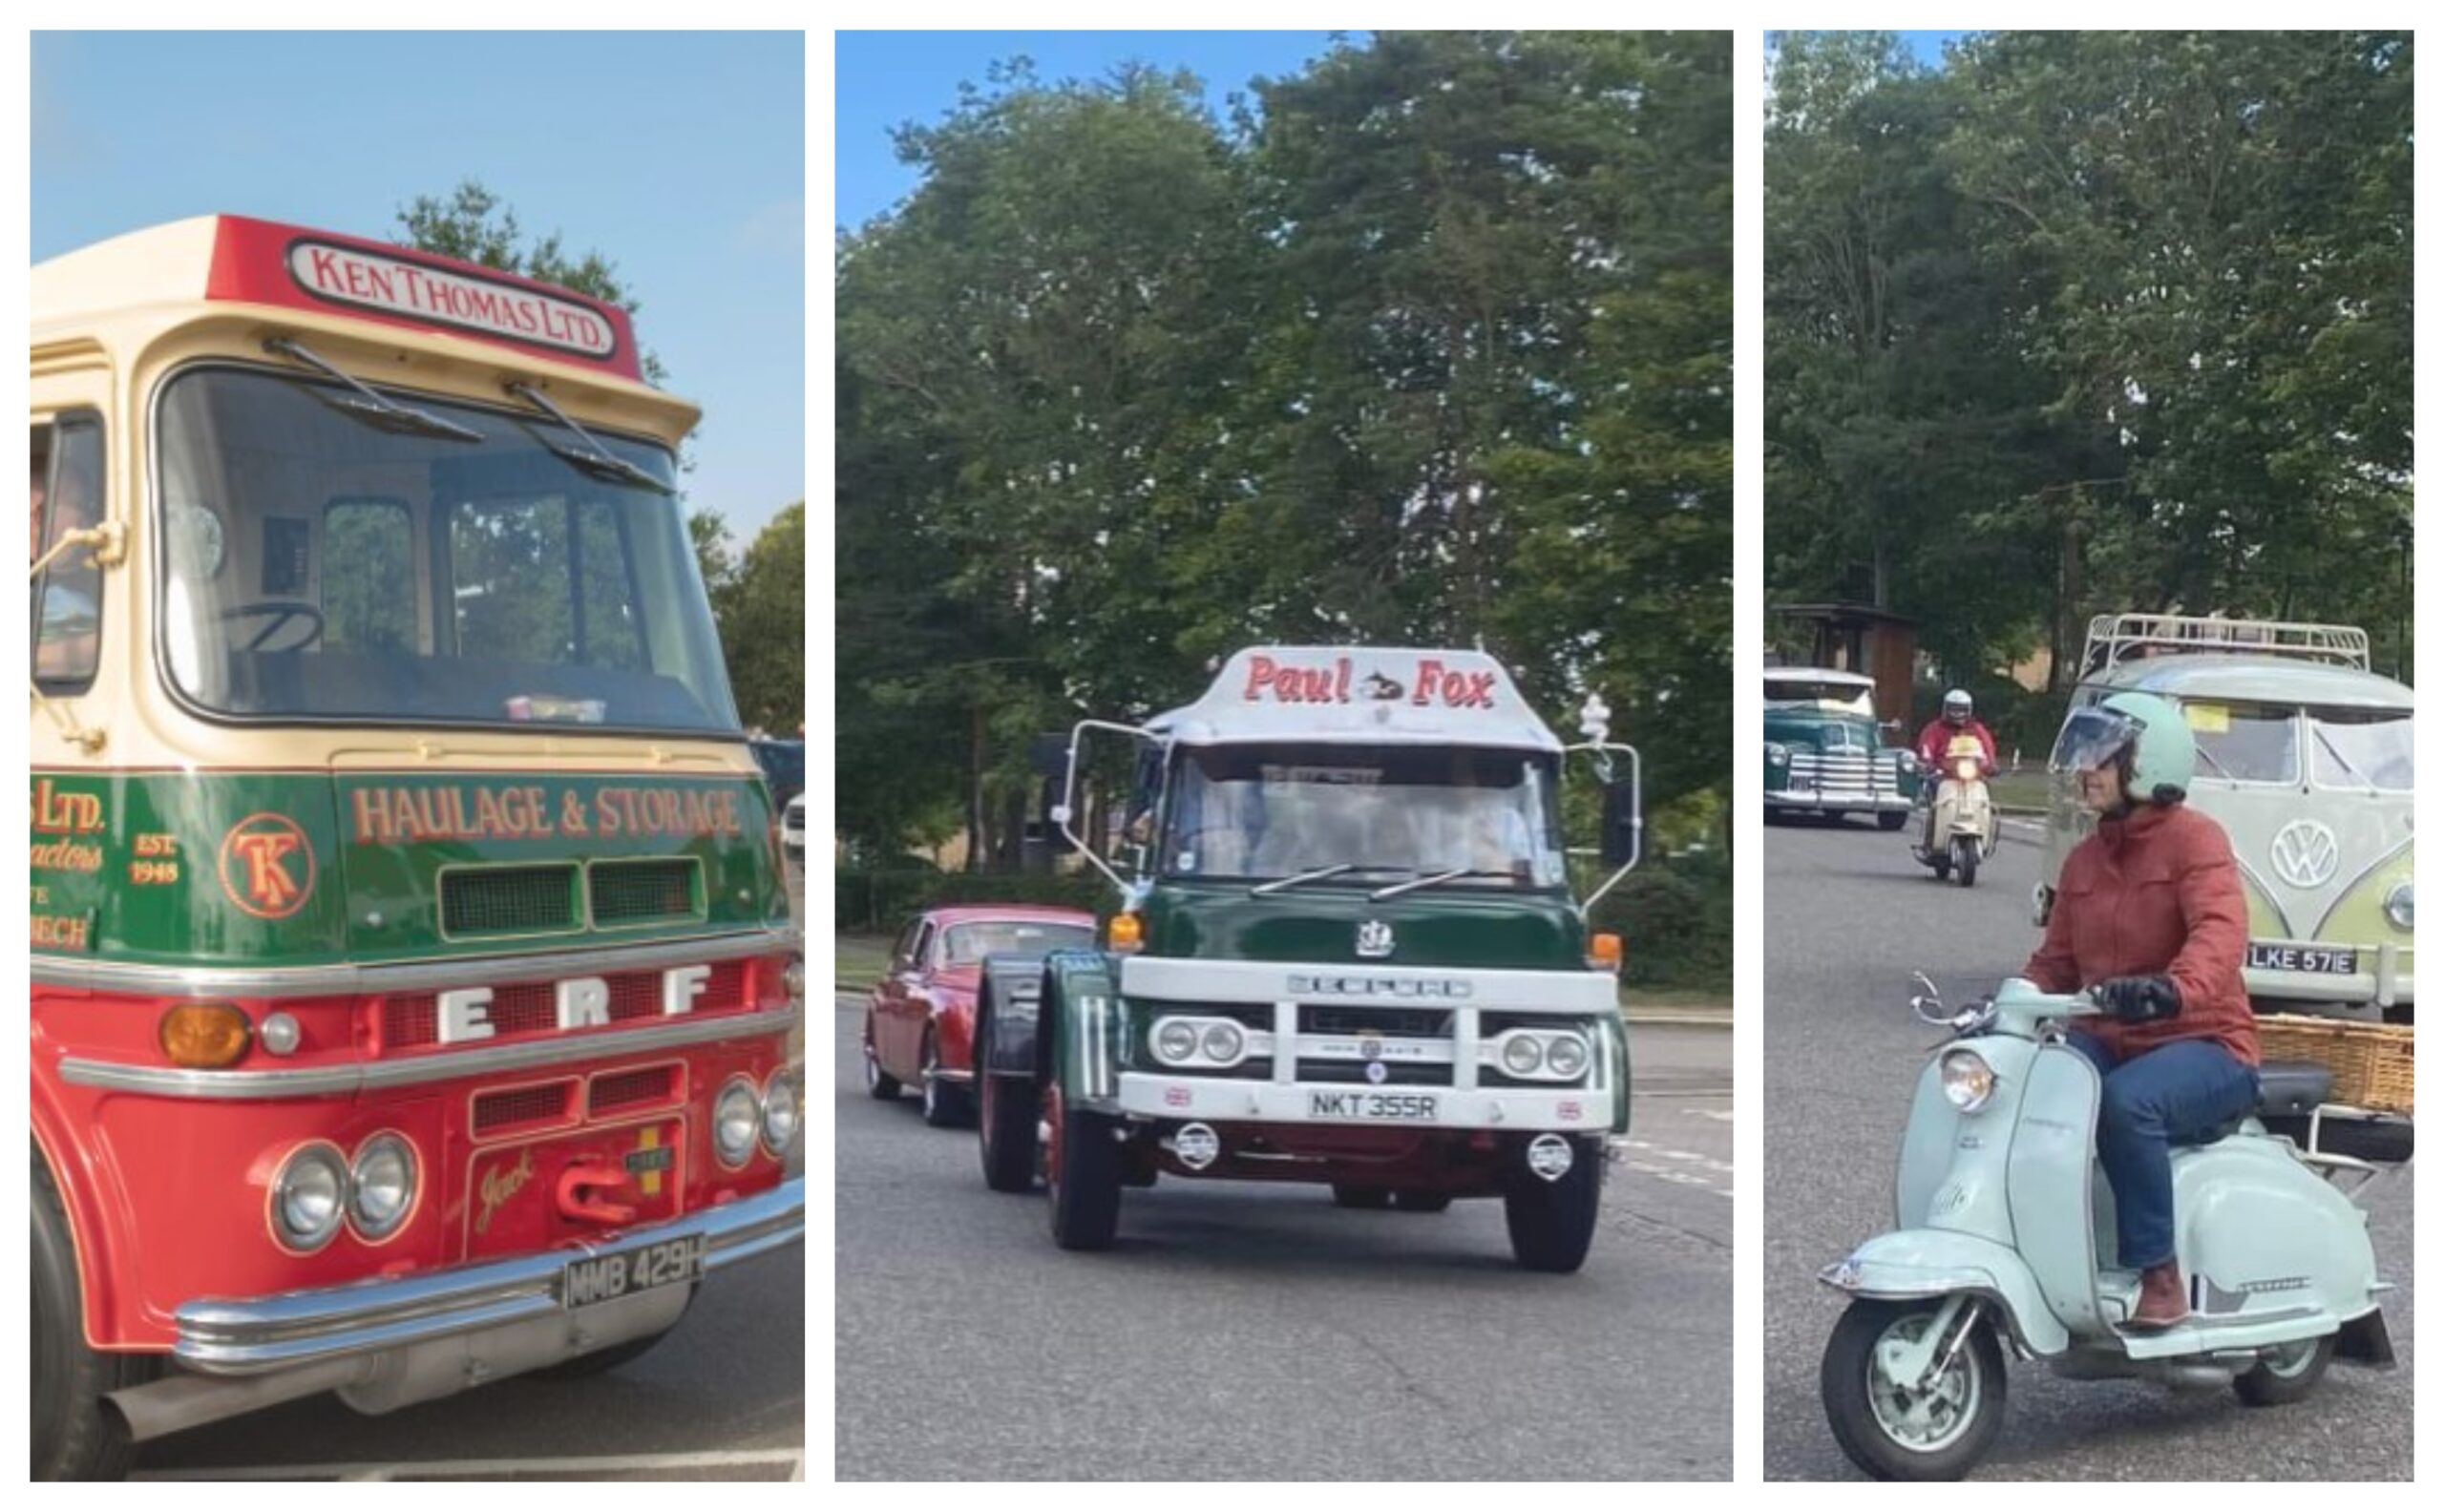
{"x":415,"y":994}
{"x":1349,"y":956}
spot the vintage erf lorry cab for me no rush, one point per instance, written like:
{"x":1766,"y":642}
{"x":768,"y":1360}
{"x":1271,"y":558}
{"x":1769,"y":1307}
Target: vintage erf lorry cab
{"x":414,"y":983}
{"x":1349,"y":956}
{"x":2305,"y":757}
{"x":1824,"y":751}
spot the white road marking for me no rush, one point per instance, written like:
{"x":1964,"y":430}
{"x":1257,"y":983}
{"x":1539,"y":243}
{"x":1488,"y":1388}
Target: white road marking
{"x":1720,"y":1115}
{"x":465,"y":1469}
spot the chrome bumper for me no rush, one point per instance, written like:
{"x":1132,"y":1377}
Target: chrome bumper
{"x":1844,"y":800}
{"x":245,"y":1336}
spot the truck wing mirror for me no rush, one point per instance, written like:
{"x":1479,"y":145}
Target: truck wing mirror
{"x":1623,"y":822}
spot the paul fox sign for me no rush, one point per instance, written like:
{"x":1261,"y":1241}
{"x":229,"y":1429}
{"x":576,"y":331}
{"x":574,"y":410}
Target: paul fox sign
{"x":370,"y":281}
{"x":1430,"y":682}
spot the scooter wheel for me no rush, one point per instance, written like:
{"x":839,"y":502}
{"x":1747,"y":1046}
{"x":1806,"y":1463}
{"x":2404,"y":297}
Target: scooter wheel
{"x":1964,"y":862}
{"x":1899,"y":1434}
{"x":2276,"y":1380}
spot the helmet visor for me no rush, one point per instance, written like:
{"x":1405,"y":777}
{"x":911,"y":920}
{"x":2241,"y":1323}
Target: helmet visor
{"x":2091,"y":737}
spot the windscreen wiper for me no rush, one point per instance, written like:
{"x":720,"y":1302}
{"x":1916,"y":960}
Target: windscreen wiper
{"x":1436,"y":880}
{"x":1316,"y":875}
{"x":2340,"y":759}
{"x":375,"y":408}
{"x":596,"y":462}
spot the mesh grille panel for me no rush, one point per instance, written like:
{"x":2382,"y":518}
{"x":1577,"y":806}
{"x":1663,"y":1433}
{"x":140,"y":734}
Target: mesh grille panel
{"x":522,"y":1105}
{"x":509,"y":900}
{"x":643,"y":892}
{"x":629,"y":1088}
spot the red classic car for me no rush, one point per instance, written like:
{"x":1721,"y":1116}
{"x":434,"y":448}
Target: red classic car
{"x":920,"y":1018}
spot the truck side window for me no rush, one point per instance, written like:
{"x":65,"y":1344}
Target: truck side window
{"x":67,"y":484}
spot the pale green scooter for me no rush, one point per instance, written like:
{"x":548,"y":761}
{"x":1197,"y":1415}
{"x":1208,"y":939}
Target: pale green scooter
{"x":2004,"y":1236}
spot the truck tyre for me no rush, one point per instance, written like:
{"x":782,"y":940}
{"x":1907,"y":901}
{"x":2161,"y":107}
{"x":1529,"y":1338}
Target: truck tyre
{"x":945,"y":1103}
{"x":1083,"y":1181}
{"x":1421,"y":1201}
{"x":76,"y":1436}
{"x":1348,"y":1194}
{"x":880,"y":1085}
{"x":1005,"y":1113}
{"x":1551,"y":1222}
{"x":2276,"y":1380}
{"x":582,"y":1367}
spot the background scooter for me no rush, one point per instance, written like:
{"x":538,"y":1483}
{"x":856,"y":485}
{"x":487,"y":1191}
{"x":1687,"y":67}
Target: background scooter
{"x":2004,"y":1237}
{"x":1959,"y":828}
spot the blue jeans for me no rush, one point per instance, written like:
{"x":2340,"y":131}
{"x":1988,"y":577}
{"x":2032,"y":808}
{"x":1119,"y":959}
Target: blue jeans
{"x":2153,"y":1101}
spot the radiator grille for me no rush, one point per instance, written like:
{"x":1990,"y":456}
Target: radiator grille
{"x":627,"y":1089}
{"x":523,"y":1107}
{"x":626,"y":893}
{"x":509,"y":900}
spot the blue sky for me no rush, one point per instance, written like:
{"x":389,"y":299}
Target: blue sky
{"x":680,"y":157}
{"x":1929,"y":46}
{"x":884,"y":78}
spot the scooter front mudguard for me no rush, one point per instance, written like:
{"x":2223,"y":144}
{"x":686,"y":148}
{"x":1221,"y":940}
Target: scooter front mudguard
{"x":1935,"y":1263}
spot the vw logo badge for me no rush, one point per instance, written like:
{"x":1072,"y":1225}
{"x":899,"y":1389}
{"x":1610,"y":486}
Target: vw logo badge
{"x":2306,"y":853}
{"x":1374,"y":939}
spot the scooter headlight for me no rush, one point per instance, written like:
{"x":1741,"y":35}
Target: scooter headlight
{"x":1963,"y":771}
{"x":1967,"y":1080}
{"x":2398,"y":906}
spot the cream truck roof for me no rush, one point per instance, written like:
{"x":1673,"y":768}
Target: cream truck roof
{"x":224,"y":260}
{"x":1360,"y":695}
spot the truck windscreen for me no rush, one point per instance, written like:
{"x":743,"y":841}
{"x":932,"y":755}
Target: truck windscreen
{"x":1263,"y":813}
{"x":320,"y":564}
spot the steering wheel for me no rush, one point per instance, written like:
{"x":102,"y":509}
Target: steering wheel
{"x":281,"y":612}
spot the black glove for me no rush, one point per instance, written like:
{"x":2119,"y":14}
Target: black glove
{"x":2137,"y":999}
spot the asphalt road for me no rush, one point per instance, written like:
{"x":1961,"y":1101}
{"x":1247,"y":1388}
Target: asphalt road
{"x":1242,"y":1330}
{"x":722,"y":1398}
{"x":1847,"y":917}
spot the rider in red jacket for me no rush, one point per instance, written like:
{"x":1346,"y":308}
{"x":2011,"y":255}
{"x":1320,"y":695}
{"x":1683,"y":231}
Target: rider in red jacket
{"x":1958,"y":719}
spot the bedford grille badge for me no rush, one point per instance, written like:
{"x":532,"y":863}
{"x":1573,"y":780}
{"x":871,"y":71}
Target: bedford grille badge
{"x":2306,"y":853}
{"x":1374,"y":939}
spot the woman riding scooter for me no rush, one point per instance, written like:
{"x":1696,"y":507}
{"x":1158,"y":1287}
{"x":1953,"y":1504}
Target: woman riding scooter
{"x":2149,"y":917}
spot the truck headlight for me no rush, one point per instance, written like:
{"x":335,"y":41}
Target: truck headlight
{"x":1566,"y":1054}
{"x":1174,"y":1041}
{"x":1777,"y":754}
{"x":793,"y":980}
{"x":1967,"y":1080}
{"x":381,"y":1186}
{"x":1522,"y":1056}
{"x":1224,"y":1042}
{"x":2398,"y":906}
{"x":308,"y":1197}
{"x":780,"y":1112}
{"x":736,"y":1117}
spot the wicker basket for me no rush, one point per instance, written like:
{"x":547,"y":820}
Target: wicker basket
{"x":2370,"y":1061}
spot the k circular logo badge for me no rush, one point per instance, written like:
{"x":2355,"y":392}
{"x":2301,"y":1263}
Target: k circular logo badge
{"x":267,"y":866}
{"x":2306,"y":853}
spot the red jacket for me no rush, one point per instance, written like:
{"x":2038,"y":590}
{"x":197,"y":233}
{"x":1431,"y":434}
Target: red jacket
{"x":1936,"y":737}
{"x":2156,"y":895}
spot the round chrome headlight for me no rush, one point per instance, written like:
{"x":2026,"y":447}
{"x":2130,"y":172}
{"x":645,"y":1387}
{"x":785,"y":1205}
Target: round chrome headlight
{"x":1174,"y":1041}
{"x":1777,"y":753}
{"x":308,"y":1197}
{"x":2398,"y":906}
{"x":780,"y":1112}
{"x":736,"y":1118}
{"x":1566,"y":1054}
{"x":1967,"y":1080}
{"x":1224,"y":1042}
{"x":382,"y":1185}
{"x":1522,"y":1055}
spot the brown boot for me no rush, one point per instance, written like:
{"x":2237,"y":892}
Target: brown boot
{"x":2163,"y":1298}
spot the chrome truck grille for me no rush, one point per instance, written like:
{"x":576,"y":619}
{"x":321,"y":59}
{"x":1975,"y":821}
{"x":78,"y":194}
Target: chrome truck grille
{"x":1844,"y":774}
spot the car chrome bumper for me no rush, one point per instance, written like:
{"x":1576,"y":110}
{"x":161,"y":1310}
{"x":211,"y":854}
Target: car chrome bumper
{"x":241,"y":1336}
{"x":1211,"y":1099}
{"x":1838,"y":800}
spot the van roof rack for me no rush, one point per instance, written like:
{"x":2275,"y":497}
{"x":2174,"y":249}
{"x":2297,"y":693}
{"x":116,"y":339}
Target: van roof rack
{"x":2117,"y":638}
